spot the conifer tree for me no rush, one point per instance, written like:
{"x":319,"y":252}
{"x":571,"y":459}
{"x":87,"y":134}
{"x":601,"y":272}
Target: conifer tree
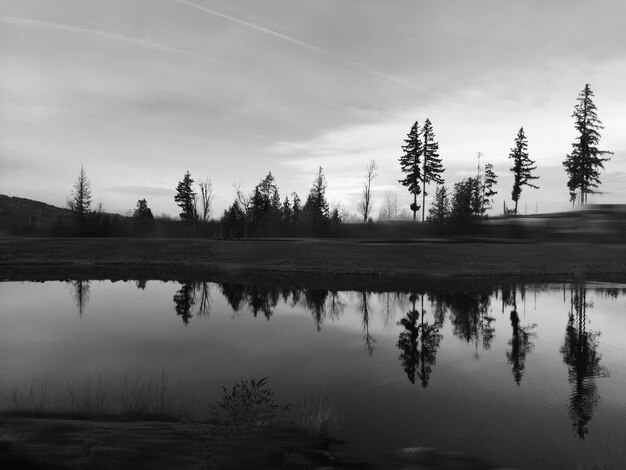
{"x":410,"y":164}
{"x":316,"y":204}
{"x":490,"y":179}
{"x":79,"y":201}
{"x":583,"y":164}
{"x":432,"y":166}
{"x":522,"y":168}
{"x":143,"y":220}
{"x":439,"y":211}
{"x":186,"y":199}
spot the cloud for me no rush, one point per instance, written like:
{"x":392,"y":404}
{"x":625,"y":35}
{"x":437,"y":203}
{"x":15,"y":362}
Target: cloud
{"x":304,"y":45}
{"x":142,"y":190}
{"x":144,"y":43}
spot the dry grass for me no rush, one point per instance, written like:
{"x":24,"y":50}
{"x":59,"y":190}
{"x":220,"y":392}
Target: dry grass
{"x":320,"y":420}
{"x":140,"y":397}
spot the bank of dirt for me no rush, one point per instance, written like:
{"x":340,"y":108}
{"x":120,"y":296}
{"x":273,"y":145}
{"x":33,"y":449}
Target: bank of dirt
{"x":314,"y":263}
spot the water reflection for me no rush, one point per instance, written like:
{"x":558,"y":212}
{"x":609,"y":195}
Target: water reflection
{"x":259,"y":299}
{"x":368,"y":338}
{"x":80,"y":290}
{"x":418,"y":320}
{"x":187,"y":297}
{"x":418,"y":343}
{"x":469,"y":315}
{"x":583,"y":360}
{"x":520,"y":343}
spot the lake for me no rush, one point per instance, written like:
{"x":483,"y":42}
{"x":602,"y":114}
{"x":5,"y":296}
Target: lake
{"x":524,"y":376}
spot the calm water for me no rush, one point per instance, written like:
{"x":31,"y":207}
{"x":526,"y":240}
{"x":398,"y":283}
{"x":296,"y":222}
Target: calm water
{"x":525,"y":376}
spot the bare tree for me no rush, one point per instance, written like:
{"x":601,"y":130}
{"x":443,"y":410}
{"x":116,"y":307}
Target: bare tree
{"x":206,"y":198}
{"x":389,"y":210}
{"x":244,"y":200}
{"x":365,"y":204}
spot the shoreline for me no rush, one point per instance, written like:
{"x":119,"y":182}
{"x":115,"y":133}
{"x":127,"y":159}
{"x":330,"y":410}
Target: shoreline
{"x":334,"y":264}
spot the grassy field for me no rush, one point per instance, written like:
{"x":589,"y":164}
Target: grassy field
{"x":321,"y":263}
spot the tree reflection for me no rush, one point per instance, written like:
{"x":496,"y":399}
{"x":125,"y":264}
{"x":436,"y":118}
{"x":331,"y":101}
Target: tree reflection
{"x":204,"y":292}
{"x":315,"y":302}
{"x":234,"y":295}
{"x":184,"y":299}
{"x":520,"y":344}
{"x":259,"y":299}
{"x":418,"y":344}
{"x":469,"y":315}
{"x":369,"y":339}
{"x":81,"y":294}
{"x":583,"y":360}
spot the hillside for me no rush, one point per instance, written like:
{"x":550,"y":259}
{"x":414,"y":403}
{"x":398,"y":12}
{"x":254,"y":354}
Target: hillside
{"x":18,"y":213}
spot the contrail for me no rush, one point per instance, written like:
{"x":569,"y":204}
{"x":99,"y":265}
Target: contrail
{"x":13,"y":20}
{"x":302,"y":44}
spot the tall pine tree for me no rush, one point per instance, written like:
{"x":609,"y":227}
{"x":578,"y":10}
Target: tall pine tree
{"x":522,"y":167}
{"x":432,"y":166}
{"x":186,"y":199}
{"x":410,"y":164}
{"x":583,"y":164}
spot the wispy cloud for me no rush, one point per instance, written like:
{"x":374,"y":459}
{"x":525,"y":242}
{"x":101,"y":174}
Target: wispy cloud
{"x":142,"y":190}
{"x":305,"y":45}
{"x":144,"y":43}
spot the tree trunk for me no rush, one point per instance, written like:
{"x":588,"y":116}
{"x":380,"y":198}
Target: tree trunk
{"x":423,"y":199}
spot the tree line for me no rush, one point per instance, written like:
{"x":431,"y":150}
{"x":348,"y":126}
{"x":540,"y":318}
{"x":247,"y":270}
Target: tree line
{"x":263,"y":212}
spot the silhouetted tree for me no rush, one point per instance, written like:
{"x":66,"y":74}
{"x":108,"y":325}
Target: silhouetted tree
{"x":296,"y":211}
{"x":287,"y":211}
{"x":583,"y":360}
{"x":410,"y":164}
{"x":522,"y":167}
{"x":186,"y":199}
{"x":365,"y":204}
{"x":143,"y":220}
{"x":206,"y":198}
{"x":489,"y":181}
{"x":583,"y":164}
{"x":439,"y":211}
{"x":433,"y":168}
{"x":316,"y":208}
{"x":466,"y":199}
{"x":79,"y":200}
{"x":265,"y":206}
{"x":233,"y":221}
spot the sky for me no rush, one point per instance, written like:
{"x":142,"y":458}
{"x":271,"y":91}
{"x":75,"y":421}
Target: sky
{"x":140,"y":91}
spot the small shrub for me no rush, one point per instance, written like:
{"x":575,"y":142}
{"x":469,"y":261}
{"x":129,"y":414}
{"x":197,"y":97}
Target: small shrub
{"x":248,"y":404}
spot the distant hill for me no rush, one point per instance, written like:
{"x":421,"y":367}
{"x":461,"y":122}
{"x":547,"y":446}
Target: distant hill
{"x":18,"y":212}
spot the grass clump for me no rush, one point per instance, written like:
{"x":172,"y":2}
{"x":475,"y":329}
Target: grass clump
{"x":320,"y":420}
